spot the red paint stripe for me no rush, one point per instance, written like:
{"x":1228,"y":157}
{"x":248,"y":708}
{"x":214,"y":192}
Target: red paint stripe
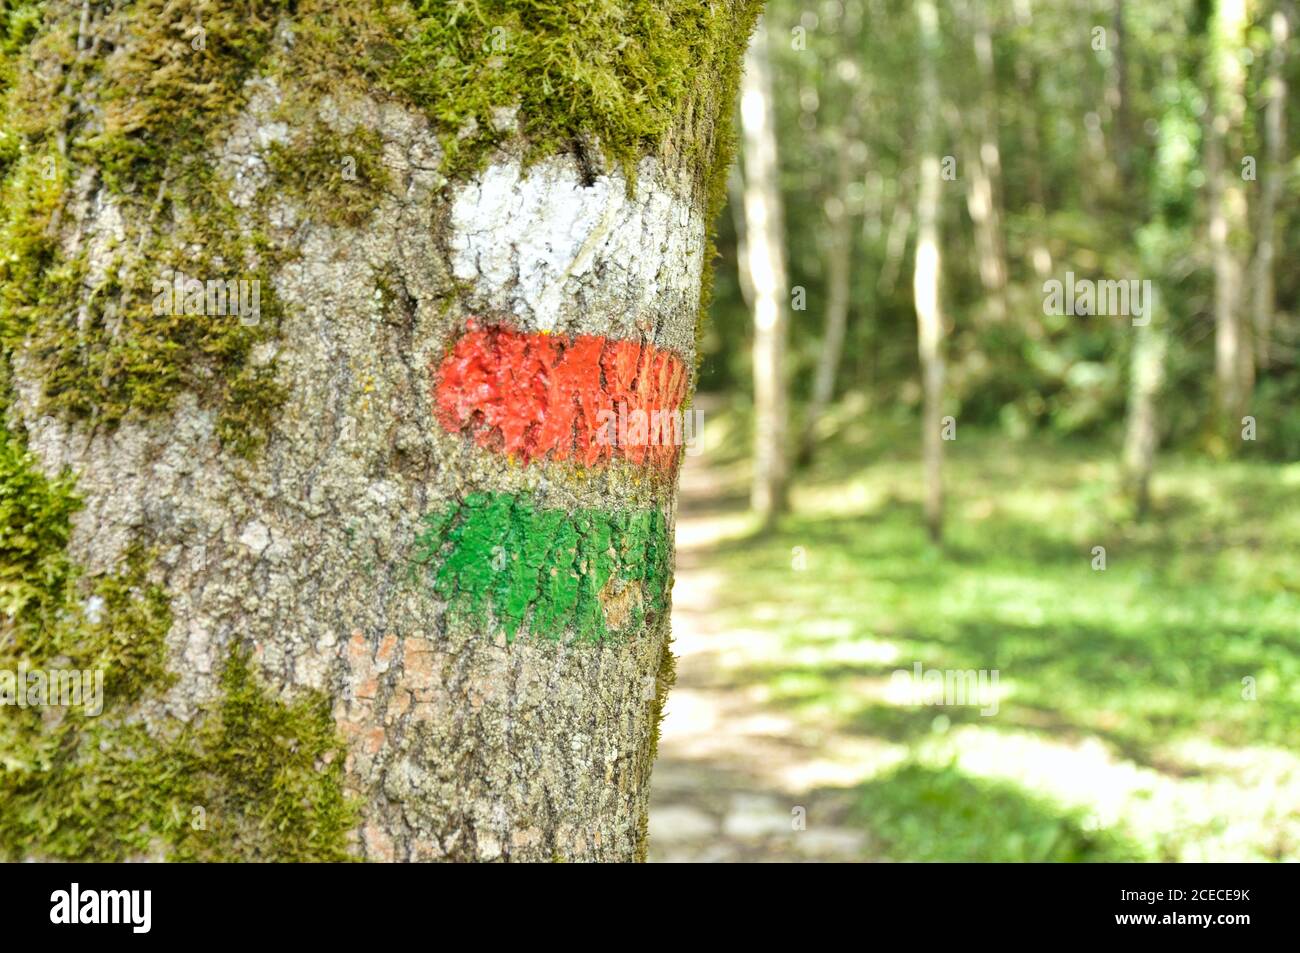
{"x":555,"y":396}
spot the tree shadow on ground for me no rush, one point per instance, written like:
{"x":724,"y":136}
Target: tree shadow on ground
{"x":1146,"y":656}
{"x":1131,"y":655}
{"x":926,"y":813}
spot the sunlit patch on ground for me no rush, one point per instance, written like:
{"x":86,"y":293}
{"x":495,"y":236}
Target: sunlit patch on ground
{"x":1147,"y":711}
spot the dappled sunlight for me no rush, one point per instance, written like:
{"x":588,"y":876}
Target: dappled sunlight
{"x":1250,"y":813}
{"x":1023,"y":580}
{"x":1118,"y":725}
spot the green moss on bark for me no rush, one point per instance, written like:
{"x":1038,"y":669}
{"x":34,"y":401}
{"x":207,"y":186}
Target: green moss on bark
{"x":105,"y":353}
{"x":621,"y":78}
{"x":271,"y":776}
{"x":338,"y":178}
{"x":612,"y":78}
{"x":140,"y":121}
{"x":172,"y":88}
{"x":127,"y":108}
{"x":253,"y":778}
{"x":609,"y":73}
{"x":259,"y":779}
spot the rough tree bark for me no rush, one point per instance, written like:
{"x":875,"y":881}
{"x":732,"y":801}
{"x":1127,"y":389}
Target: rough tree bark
{"x":765,"y":251}
{"x":392,"y":495}
{"x":926,"y":273}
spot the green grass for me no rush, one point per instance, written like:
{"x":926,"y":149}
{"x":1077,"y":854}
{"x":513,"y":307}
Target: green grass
{"x":939,"y":814}
{"x":1123,"y":694}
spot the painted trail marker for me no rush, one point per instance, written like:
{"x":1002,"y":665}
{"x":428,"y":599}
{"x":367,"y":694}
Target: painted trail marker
{"x":560,"y":397}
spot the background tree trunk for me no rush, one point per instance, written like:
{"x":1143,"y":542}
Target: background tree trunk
{"x":1262,"y":296}
{"x":764,"y":243}
{"x":476,"y":608}
{"x":1123,"y":135}
{"x":839,"y":256}
{"x":1142,"y":425}
{"x":984,"y":168}
{"x":736,"y":205}
{"x":1031,"y":148}
{"x":900,"y":228}
{"x":926,"y":274}
{"x":1234,"y":368}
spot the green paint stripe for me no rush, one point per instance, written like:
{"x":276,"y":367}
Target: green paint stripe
{"x":506,"y":565}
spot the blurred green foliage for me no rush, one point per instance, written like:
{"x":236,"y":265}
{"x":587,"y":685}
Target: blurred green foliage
{"x":1073,"y":198}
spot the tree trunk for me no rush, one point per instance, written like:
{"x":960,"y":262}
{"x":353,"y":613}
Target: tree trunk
{"x":1141,"y":432}
{"x":984,"y":170}
{"x":408,"y":565}
{"x":926,"y":274}
{"x":1233,"y":364}
{"x":1040,"y":255}
{"x":1147,"y":362}
{"x":839,"y":256}
{"x":736,"y":203}
{"x":900,"y":228}
{"x":1262,"y":297}
{"x":765,"y":237}
{"x":1123,"y":137}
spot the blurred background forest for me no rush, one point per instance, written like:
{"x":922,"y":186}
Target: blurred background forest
{"x":915,"y":460}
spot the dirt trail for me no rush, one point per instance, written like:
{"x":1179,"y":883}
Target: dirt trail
{"x":734,"y":778}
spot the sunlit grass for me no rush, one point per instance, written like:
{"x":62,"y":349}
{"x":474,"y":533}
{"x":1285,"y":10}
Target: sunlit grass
{"x":1191,"y":634}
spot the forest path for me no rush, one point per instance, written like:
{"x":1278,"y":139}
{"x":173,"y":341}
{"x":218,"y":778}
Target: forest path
{"x":733,"y":772}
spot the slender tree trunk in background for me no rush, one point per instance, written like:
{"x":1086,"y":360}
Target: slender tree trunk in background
{"x":1123,"y":137}
{"x":1233,"y":359}
{"x":736,"y":203}
{"x":839,"y":255}
{"x":873,"y":201}
{"x":900,"y":227}
{"x":1142,"y":426}
{"x":926,"y":274}
{"x":988,"y":238}
{"x":765,"y":243}
{"x":369,"y":565}
{"x":1040,"y":255}
{"x":984,"y":170}
{"x":1262,"y":289}
{"x":1147,"y":361}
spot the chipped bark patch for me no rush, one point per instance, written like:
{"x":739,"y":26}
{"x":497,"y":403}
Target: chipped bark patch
{"x":620,"y":602}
